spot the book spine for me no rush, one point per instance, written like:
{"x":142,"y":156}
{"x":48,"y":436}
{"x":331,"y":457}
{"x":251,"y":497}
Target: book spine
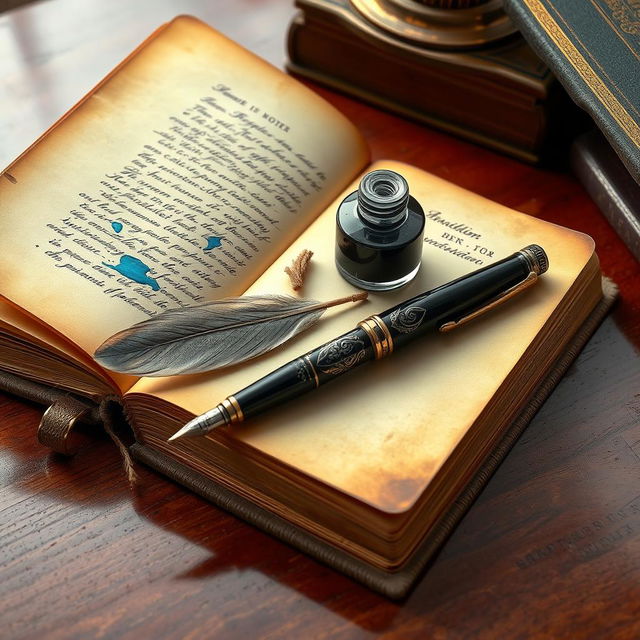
{"x":589,"y":51}
{"x":610,"y":186}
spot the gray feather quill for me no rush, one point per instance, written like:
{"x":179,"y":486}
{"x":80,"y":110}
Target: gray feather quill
{"x":211,"y":335}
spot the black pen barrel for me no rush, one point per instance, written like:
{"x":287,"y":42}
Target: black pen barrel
{"x":379,"y":335}
{"x":307,"y":372}
{"x":451,"y":302}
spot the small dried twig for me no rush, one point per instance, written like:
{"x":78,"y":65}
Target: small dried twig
{"x":297,"y":269}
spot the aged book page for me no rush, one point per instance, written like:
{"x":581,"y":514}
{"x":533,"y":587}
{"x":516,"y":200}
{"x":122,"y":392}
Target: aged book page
{"x":30,"y":348}
{"x":180,"y":179}
{"x":381,"y":434}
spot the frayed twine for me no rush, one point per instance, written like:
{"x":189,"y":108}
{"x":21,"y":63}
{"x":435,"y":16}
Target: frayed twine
{"x":106,"y":415}
{"x":298,"y":268}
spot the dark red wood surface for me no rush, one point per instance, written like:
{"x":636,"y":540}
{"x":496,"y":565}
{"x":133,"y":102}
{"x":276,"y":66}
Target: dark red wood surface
{"x":551,"y":549}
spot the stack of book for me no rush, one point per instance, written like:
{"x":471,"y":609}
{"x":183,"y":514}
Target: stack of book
{"x":194,"y":171}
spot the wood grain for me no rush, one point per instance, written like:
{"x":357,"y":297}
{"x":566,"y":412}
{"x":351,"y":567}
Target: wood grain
{"x":550,"y":550}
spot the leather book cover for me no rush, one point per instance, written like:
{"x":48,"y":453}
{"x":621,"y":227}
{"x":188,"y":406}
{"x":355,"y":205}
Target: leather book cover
{"x":394,"y":584}
{"x":500,"y":95}
{"x":593,"y":48}
{"x":610,"y":186}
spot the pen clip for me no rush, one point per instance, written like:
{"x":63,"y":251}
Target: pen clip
{"x":503,"y":297}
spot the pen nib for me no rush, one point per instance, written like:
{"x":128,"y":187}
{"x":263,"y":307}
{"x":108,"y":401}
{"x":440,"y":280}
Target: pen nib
{"x":201,"y":425}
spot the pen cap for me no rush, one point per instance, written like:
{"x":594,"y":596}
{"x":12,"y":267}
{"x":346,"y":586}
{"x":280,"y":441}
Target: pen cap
{"x":457,"y":302}
{"x":537,"y":258}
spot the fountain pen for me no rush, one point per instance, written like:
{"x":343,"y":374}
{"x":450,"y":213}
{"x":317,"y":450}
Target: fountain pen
{"x":441,"y":309}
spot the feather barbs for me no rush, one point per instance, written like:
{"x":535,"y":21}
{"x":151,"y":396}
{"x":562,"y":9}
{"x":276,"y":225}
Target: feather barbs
{"x":211,"y":335}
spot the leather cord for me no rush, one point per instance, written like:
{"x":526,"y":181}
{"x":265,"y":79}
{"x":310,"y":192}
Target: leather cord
{"x":56,"y":428}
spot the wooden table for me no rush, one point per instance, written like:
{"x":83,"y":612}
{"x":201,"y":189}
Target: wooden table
{"x":550,"y":550}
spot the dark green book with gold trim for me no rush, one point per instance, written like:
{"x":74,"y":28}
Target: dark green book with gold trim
{"x":593,"y":47}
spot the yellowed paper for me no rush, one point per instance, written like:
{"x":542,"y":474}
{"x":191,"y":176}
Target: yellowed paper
{"x":179,"y":180}
{"x":381,"y":433}
{"x":43,"y":342}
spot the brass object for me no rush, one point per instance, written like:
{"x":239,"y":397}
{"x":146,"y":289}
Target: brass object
{"x":379,"y":335}
{"x":57,"y":426}
{"x":237,"y":408}
{"x":466,"y":71}
{"x":452,"y":4}
{"x":536,"y":258}
{"x":233,"y":410}
{"x":509,"y":293}
{"x":441,"y":25}
{"x":313,"y":370}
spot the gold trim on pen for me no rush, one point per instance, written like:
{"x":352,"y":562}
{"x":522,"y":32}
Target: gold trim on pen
{"x":503,"y":297}
{"x":237,"y":407}
{"x":233,"y":409}
{"x":313,"y":370}
{"x":387,"y":343}
{"x":365,"y":325}
{"x":379,"y":335}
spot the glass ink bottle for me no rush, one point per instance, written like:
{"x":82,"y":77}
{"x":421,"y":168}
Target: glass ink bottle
{"x":379,"y":231}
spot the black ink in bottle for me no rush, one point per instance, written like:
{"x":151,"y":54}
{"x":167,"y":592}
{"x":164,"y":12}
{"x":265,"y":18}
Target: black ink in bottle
{"x":379,"y":231}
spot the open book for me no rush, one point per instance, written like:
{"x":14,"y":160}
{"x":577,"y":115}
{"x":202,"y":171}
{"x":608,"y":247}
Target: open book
{"x":195,"y":171}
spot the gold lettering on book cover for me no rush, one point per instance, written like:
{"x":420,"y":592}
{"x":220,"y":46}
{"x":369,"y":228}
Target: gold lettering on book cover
{"x":584,"y":69}
{"x":627,"y":14}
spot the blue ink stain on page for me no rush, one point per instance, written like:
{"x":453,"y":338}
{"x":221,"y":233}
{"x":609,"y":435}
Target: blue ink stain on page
{"x":117,"y":226}
{"x":135,"y":270}
{"x":212,"y":243}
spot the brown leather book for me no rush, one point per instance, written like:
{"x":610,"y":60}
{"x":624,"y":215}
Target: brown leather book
{"x":196,"y":170}
{"x":464,"y":70}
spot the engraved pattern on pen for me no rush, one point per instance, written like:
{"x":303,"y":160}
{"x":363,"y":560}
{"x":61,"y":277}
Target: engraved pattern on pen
{"x":407,"y":319}
{"x":301,"y":371}
{"x":341,"y":354}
